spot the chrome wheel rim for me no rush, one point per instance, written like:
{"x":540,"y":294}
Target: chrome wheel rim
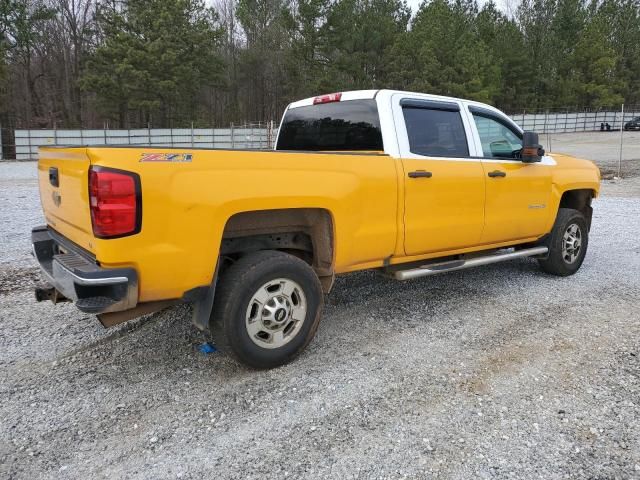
{"x":571,"y":243}
{"x":275,"y":313}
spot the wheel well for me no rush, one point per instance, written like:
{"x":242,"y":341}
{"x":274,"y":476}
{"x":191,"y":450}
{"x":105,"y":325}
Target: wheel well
{"x":304,"y":232}
{"x":579,"y":200}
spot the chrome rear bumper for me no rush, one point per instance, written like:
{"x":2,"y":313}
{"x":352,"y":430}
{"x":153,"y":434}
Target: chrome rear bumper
{"x":76,"y":276}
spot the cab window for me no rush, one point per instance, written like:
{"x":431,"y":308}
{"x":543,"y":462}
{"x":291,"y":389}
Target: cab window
{"x":498,"y":139}
{"x":347,"y":125}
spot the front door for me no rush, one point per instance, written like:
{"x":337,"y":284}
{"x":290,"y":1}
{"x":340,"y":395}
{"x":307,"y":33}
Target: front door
{"x":444,"y":187}
{"x":517,"y":193}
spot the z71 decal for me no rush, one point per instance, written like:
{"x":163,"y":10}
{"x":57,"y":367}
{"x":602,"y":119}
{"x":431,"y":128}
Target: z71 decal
{"x":166,"y":157}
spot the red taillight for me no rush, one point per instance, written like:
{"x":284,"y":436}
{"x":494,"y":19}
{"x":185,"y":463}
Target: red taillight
{"x":114,"y":200}
{"x":332,"y":97}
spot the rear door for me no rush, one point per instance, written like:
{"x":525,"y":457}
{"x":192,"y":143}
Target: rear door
{"x":444,"y":186}
{"x":64,"y":193}
{"x":518,"y":193}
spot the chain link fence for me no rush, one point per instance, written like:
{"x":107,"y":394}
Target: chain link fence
{"x":24,"y":144}
{"x":571,"y":121}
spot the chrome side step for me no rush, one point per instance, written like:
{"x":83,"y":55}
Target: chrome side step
{"x":454,"y":265}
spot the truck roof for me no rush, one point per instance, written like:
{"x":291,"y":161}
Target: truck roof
{"x":370,"y":94}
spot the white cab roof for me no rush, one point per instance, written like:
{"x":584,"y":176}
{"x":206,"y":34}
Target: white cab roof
{"x":369,"y":94}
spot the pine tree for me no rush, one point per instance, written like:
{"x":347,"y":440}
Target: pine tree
{"x":154,"y":59}
{"x":356,"y":37}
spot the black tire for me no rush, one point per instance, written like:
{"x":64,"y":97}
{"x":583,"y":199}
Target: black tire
{"x":236,"y":289}
{"x":565,"y":262}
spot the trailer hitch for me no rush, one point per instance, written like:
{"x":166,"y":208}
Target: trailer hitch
{"x":49,"y":293}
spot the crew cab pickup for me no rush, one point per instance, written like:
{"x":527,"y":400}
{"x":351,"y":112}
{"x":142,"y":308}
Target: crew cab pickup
{"x":405,"y":183}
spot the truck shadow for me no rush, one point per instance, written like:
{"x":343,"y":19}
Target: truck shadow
{"x":362,"y":288}
{"x":366,"y":299}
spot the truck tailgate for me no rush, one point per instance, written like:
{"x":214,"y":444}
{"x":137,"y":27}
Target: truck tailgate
{"x":64,"y":193}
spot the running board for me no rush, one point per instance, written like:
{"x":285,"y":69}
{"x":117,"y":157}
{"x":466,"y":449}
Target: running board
{"x":454,"y":265}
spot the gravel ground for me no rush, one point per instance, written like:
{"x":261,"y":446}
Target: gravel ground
{"x":602,"y":147}
{"x":19,"y":212}
{"x":497,"y":372}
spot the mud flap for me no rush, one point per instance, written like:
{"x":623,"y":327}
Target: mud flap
{"x":202,"y":308}
{"x":202,"y":299}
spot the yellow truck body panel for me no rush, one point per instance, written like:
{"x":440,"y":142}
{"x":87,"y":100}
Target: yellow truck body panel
{"x":187,"y":205}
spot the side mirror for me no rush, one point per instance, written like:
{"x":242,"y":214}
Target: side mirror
{"x":532,"y":151}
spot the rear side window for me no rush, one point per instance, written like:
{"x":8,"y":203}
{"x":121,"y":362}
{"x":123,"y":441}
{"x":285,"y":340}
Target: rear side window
{"x":348,"y":125}
{"x":435,"y":132}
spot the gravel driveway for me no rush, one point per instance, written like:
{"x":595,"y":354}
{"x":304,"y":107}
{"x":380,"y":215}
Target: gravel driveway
{"x":602,"y":147}
{"x":497,"y":372}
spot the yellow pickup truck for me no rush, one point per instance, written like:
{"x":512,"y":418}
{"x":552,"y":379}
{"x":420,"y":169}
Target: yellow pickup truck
{"x":405,"y":183}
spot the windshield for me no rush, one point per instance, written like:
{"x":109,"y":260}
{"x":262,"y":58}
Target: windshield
{"x":348,"y":125}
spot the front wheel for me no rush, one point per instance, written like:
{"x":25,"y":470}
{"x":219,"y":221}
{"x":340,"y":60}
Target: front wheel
{"x":567,"y":243}
{"x":267,"y":309}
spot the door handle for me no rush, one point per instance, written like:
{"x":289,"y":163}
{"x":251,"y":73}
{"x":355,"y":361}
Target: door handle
{"x":53,"y":177}
{"x":497,"y":173}
{"x":420,"y":174}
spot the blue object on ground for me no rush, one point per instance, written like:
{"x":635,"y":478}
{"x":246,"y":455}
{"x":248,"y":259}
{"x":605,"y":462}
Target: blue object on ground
{"x":207,"y":348}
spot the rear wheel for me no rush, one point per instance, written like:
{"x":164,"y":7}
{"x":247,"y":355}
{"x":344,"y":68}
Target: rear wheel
{"x":267,"y":309}
{"x":567,"y":243}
